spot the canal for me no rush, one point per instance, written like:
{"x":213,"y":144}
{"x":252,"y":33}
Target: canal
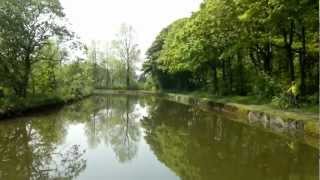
{"x":122,"y":137}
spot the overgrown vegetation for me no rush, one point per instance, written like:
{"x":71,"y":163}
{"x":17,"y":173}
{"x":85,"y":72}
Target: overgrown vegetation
{"x":240,"y":47}
{"x":42,"y":62}
{"x":36,"y":64}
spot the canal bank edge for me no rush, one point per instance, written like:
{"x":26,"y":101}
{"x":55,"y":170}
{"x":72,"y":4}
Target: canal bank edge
{"x":280,"y":122}
{"x":50,"y":103}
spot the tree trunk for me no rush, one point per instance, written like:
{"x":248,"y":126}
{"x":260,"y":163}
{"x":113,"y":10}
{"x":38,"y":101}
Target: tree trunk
{"x":224,"y":77}
{"x":33,"y":85}
{"x":302,"y":62}
{"x":241,"y":80}
{"x":230,"y":76}
{"x":128,"y":75}
{"x":268,"y":59}
{"x":288,"y":48}
{"x":26,"y":76}
{"x":108,"y":79}
{"x":215,"y":78}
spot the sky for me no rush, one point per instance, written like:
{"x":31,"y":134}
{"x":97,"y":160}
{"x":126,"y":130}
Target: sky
{"x":100,"y":20}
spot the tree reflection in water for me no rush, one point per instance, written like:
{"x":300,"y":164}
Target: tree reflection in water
{"x":125,"y":135}
{"x":29,"y":150}
{"x":192,"y":143}
{"x":112,"y":120}
{"x":205,"y":146}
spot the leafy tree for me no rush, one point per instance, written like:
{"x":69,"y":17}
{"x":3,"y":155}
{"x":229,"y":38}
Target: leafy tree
{"x":127,"y":50}
{"x":26,"y":27}
{"x":44,"y":74}
{"x":241,"y":47}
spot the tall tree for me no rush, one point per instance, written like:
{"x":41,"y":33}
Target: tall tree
{"x":26,"y":27}
{"x":240,"y":47}
{"x":127,"y":49}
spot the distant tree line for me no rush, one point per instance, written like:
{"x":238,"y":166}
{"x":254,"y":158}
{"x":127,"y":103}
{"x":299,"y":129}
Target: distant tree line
{"x":114,"y":63}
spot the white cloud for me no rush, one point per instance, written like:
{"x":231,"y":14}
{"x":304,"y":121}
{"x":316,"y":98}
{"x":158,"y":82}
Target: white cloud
{"x":101,"y":19}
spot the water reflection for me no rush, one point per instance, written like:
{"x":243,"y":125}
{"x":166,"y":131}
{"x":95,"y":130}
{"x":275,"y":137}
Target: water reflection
{"x":34,"y":147}
{"x":205,"y":146}
{"x":29,"y":150}
{"x":98,"y":137}
{"x":112,"y":120}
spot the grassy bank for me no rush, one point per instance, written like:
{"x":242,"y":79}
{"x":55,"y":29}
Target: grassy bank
{"x":305,"y":112}
{"x":309,"y":114}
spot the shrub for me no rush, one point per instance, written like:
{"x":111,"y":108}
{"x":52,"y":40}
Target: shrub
{"x":281,"y":101}
{"x":267,"y":87}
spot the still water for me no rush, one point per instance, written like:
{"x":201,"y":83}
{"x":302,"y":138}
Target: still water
{"x":146,"y":138}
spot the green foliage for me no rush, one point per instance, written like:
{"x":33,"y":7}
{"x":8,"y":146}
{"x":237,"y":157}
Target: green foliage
{"x":149,"y":84}
{"x":110,"y":69}
{"x":33,"y":66}
{"x":266,"y":87}
{"x":26,"y":27}
{"x":313,"y":99}
{"x":127,"y":51}
{"x":76,"y":80}
{"x":241,"y":47}
{"x":281,"y":101}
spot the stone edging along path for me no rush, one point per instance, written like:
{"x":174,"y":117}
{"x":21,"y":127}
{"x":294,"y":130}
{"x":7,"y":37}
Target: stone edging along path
{"x":302,"y":129}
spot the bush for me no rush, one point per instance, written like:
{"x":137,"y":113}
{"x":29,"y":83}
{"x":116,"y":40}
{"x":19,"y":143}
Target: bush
{"x":267,"y":87}
{"x":280,"y":101}
{"x":149,"y":84}
{"x":312,"y":99}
